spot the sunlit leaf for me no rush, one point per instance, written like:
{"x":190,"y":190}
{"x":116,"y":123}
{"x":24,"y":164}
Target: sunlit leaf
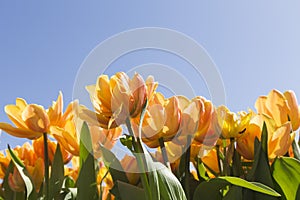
{"x":57,"y":174}
{"x":286,"y":172}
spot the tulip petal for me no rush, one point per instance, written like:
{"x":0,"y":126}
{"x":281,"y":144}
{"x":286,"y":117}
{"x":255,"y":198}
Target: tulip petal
{"x":294,"y":114}
{"x":14,"y":113}
{"x":18,"y":132}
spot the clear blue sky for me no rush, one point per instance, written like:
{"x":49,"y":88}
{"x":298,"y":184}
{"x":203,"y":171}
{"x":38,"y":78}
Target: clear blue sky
{"x":42,"y":44}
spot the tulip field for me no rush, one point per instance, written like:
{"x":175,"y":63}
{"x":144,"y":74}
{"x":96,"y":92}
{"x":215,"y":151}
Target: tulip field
{"x":172,"y":147}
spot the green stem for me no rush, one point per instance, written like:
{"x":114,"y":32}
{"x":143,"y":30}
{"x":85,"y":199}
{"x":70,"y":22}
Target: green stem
{"x":46,"y":165}
{"x":137,"y":146}
{"x":187,"y":167}
{"x":164,"y":152}
{"x":219,"y":159}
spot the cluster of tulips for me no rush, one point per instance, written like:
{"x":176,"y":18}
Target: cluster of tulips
{"x":178,"y":148}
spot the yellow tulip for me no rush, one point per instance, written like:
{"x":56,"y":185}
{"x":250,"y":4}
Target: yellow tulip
{"x":117,"y":98}
{"x":162,"y":120}
{"x":280,"y":107}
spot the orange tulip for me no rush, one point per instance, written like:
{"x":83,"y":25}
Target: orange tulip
{"x":130,"y":166}
{"x":174,"y":153}
{"x":33,"y":164}
{"x":117,"y":98}
{"x":4,"y":162}
{"x":190,"y":117}
{"x":37,"y":173}
{"x":279,"y":138}
{"x":280,"y":107}
{"x":210,"y":137}
{"x":32,"y":120}
{"x":15,"y":181}
{"x":162,"y":120}
{"x":107,"y":138}
{"x":67,"y":137}
{"x":211,"y":160}
{"x":38,"y":146}
{"x":203,"y":135}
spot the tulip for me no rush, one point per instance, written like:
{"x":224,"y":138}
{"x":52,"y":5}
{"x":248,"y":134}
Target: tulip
{"x":4,"y":162}
{"x":37,"y":173}
{"x":67,"y":137}
{"x":31,"y":120}
{"x":174,"y":153}
{"x":211,"y":161}
{"x":33,"y":164}
{"x":162,"y":120}
{"x":118,"y":98}
{"x":279,"y":138}
{"x":38,"y":146}
{"x":130,"y":166}
{"x":203,"y":134}
{"x":190,"y":116}
{"x":104,"y":137}
{"x":15,"y":181}
{"x":280,"y":107}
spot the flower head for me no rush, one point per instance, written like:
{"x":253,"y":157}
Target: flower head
{"x":118,"y":98}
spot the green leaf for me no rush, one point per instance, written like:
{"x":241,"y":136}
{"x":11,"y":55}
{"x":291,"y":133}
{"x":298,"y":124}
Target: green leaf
{"x":286,"y":172}
{"x":260,"y":171}
{"x":201,"y":170}
{"x":169,"y":186}
{"x":130,"y":192}
{"x":57,"y":174}
{"x":86,"y":182}
{"x":264,"y":140}
{"x":86,"y":147}
{"x":210,"y":189}
{"x":234,"y":192}
{"x":296,"y":149}
{"x":237,"y":168}
{"x":114,"y":166}
{"x":153,"y":180}
{"x":30,"y":191}
{"x":255,"y":186}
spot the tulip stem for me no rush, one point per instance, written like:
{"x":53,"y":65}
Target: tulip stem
{"x":164,"y":152}
{"x":141,"y":160}
{"x":46,"y":165}
{"x":219,"y":159}
{"x":187,"y":167}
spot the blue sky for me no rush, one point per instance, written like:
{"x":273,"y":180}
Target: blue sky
{"x":42,"y":44}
